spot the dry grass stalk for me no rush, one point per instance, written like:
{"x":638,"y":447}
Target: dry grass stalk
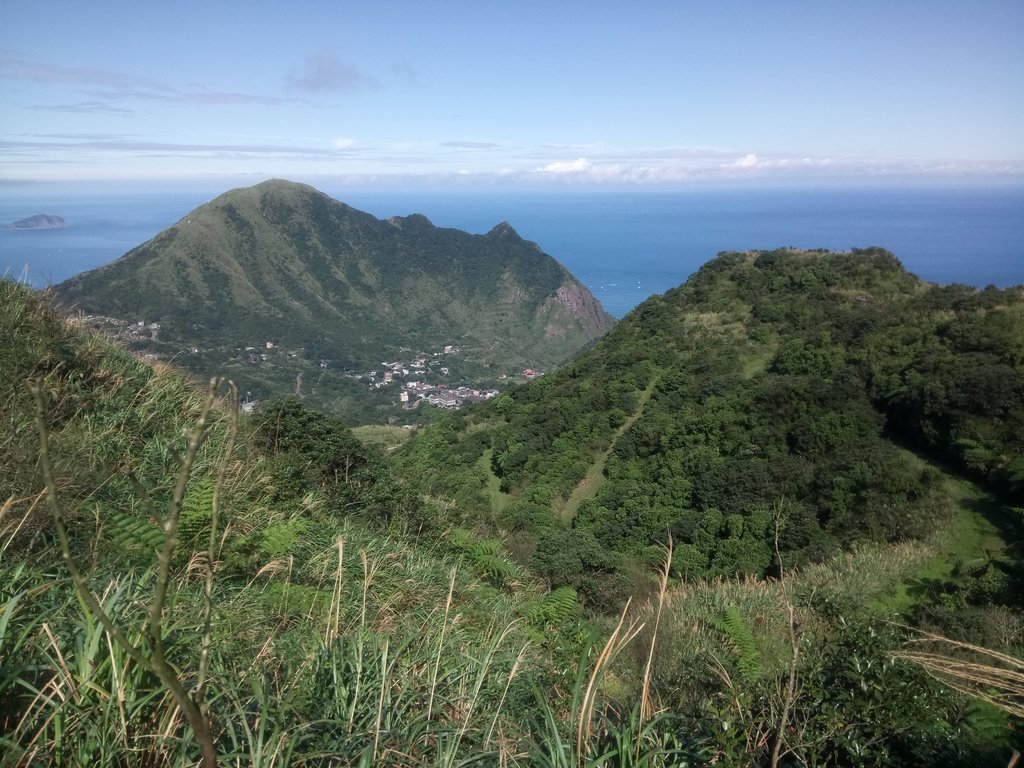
{"x":440,"y":643}
{"x":646,"y":706}
{"x":6,"y":510}
{"x":212,"y":550}
{"x":380,"y":699}
{"x":620,"y":637}
{"x":333,"y":630}
{"x":508,"y":684}
{"x":999,"y":680}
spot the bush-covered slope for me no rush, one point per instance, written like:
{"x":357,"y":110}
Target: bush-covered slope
{"x":334,"y":591}
{"x":761,"y":406}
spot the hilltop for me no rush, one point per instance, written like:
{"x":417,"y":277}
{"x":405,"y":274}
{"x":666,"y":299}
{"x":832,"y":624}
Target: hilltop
{"x":779,"y":407}
{"x":337,"y":291}
{"x":798,"y":452}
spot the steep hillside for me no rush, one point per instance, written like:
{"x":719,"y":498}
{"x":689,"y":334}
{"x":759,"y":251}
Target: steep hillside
{"x":265,"y":592}
{"x":339,"y":290}
{"x":761,"y":411}
{"x":328,"y":583}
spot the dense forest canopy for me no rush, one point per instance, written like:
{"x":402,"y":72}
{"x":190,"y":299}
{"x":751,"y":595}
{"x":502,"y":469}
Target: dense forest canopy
{"x":776,"y":406}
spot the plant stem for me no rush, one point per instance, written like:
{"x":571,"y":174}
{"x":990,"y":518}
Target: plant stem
{"x":155,"y":663}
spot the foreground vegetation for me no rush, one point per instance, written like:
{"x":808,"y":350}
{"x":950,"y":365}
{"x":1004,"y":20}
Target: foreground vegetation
{"x":316,"y":609}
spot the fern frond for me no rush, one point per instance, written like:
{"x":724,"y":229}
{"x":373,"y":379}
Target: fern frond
{"x":561,"y":606}
{"x":739,"y":637}
{"x":196,"y":513}
{"x":133,"y":535}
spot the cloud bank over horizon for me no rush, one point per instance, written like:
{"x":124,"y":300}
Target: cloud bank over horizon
{"x":70,"y":157}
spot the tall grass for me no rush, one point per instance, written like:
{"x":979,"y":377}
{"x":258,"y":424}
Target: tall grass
{"x":305,"y":637}
{"x":74,"y":696}
{"x":427,"y":688}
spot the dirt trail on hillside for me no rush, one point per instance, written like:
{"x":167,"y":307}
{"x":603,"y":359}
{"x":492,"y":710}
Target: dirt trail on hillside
{"x":587,"y":487}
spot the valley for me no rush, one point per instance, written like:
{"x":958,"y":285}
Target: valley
{"x":447,"y":377}
{"x":512,"y":385}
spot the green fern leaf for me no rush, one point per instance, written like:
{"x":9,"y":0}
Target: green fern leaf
{"x":740,"y":639}
{"x":132,"y":535}
{"x":196,"y":513}
{"x":561,"y":606}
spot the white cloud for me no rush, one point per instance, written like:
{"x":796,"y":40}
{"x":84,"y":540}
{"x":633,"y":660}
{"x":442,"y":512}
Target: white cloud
{"x":473,"y":145}
{"x":579,"y":165}
{"x":106,"y":88}
{"x":430,"y":161}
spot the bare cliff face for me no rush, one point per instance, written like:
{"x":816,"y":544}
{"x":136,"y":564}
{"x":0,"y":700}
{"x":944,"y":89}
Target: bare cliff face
{"x":581,"y":304}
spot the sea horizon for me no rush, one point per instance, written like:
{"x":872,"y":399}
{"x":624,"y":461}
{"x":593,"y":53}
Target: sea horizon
{"x":623,"y":245}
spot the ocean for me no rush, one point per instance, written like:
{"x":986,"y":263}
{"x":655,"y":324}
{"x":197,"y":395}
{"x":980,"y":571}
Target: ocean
{"x":625,"y":246}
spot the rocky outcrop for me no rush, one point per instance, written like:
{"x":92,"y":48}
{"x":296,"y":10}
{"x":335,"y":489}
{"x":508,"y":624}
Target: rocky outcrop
{"x":581,"y":304}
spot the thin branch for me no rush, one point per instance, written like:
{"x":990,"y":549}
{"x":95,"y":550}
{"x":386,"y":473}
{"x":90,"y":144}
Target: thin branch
{"x":154,"y":663}
{"x":794,"y":642}
{"x":170,"y":525}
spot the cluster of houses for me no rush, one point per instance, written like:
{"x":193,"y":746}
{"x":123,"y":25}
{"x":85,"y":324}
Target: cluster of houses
{"x":253,"y":354}
{"x":413,"y":393}
{"x":416,"y":392}
{"x":419,"y":364}
{"x":123,"y":331}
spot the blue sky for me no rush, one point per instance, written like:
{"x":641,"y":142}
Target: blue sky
{"x":512,"y":93}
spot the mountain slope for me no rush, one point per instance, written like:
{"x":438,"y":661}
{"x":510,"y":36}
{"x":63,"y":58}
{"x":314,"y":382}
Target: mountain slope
{"x":754,"y":413}
{"x":285,"y":263}
{"x":291,"y":486}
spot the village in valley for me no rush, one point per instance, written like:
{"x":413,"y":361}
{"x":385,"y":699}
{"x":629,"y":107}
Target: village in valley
{"x":414,"y":388}
{"x":416,"y":378}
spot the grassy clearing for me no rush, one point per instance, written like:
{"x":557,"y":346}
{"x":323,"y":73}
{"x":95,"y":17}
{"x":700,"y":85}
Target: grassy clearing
{"x":970,"y":540}
{"x":755,"y":362}
{"x":387,"y":437}
{"x":499,"y":499}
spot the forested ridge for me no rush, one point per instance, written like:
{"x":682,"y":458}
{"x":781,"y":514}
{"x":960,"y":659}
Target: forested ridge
{"x":791,"y":397}
{"x":772,"y":518}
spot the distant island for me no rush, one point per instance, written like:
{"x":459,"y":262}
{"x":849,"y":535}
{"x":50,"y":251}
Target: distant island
{"x":39,"y":221}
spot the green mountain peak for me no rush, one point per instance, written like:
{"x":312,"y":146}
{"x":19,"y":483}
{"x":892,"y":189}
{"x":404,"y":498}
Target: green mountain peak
{"x":282,"y":262}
